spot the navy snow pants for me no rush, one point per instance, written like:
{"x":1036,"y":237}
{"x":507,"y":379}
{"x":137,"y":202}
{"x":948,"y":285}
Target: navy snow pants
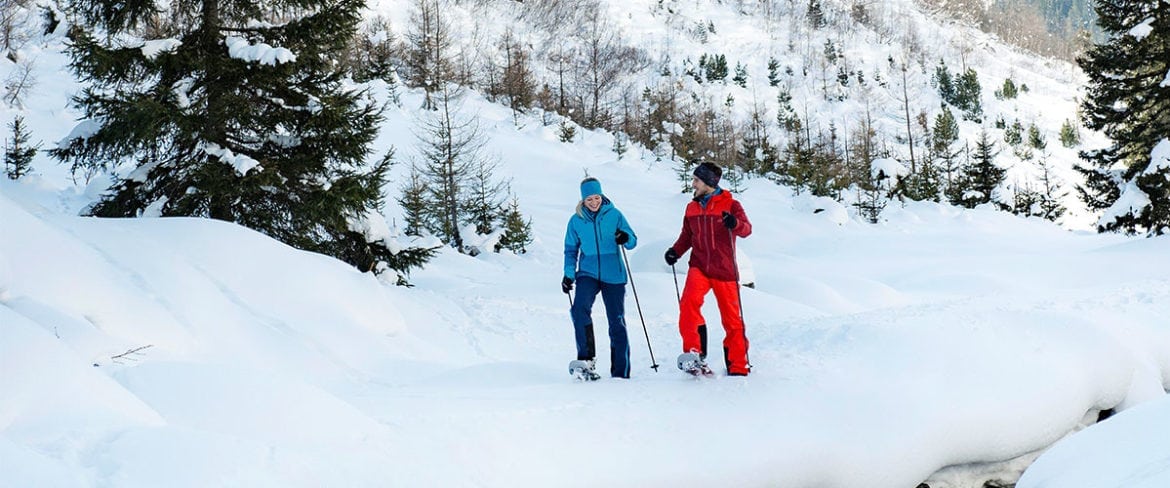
{"x":614,"y":297}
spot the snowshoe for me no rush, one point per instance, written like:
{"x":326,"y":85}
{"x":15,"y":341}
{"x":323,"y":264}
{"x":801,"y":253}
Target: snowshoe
{"x":584,"y":369}
{"x":693,"y":364}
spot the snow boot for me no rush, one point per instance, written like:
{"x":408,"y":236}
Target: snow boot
{"x":693,"y":364}
{"x":584,"y":369}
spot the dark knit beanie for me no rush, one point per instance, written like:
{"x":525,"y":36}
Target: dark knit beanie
{"x":709,"y":173}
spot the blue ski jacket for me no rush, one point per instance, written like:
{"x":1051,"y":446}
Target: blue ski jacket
{"x":590,"y":246}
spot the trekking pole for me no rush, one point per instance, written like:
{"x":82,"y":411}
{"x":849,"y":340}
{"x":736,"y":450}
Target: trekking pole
{"x":677,"y":294}
{"x":630,"y":274}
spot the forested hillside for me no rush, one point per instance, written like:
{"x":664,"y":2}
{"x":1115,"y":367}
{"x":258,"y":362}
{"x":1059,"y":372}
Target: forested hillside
{"x":871,"y":104}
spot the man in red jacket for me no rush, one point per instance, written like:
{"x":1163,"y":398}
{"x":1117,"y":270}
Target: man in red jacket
{"x":710,"y":225}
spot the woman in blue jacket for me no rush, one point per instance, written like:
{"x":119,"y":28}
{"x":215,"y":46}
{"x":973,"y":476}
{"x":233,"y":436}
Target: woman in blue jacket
{"x":594,"y":262}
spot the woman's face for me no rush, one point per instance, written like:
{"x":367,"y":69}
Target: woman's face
{"x":593,"y":202}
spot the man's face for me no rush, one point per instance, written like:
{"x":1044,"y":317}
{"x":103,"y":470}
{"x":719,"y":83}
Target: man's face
{"x":700,"y":187}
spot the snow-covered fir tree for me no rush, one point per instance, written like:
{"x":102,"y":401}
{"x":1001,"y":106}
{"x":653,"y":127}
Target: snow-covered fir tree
{"x":517,"y":230}
{"x":982,"y":176}
{"x":230,"y":110}
{"x":18,"y":151}
{"x":484,"y":200}
{"x":413,"y":199}
{"x":1127,"y":101}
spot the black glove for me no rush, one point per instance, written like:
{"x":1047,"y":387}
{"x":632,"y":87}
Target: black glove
{"x":566,"y":285}
{"x":671,"y":256}
{"x":621,"y":237}
{"x":729,"y":220}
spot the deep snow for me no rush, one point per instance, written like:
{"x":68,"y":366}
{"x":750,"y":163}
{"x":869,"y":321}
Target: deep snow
{"x":882,"y":353}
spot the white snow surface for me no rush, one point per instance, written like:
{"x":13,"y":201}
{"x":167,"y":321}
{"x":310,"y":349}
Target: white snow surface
{"x":1126,"y":451}
{"x":881,"y":353}
{"x":185,"y":352}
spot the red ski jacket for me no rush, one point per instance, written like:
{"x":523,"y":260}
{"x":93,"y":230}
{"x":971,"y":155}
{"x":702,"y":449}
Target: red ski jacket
{"x":711,"y":245}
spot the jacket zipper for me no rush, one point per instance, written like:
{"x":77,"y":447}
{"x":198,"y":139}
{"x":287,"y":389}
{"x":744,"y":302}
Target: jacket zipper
{"x":597,"y":240}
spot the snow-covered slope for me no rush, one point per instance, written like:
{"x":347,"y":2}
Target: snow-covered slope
{"x":882,"y":353}
{"x":872,"y":46}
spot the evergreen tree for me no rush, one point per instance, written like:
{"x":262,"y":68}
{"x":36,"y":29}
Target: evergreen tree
{"x":874,"y":186}
{"x":1127,"y":101}
{"x":413,"y":200}
{"x":1044,"y":202}
{"x":773,"y":72}
{"x":1069,"y":136}
{"x":982,"y":176}
{"x":18,"y":153}
{"x":873,"y":197}
{"x":799,"y":161}
{"x":968,"y":95}
{"x":1026,"y":201}
{"x":1014,"y":134}
{"x":620,"y":144}
{"x":1009,"y":90}
{"x":785,"y":113}
{"x":842,"y":77}
{"x":944,"y":134}
{"x":567,"y":131}
{"x":242,"y":115}
{"x":740,"y":75}
{"x":924,"y":185}
{"x":945,"y":83}
{"x":484,"y":200}
{"x":716,"y":68}
{"x":517,"y":231}
{"x":952,"y":173}
{"x":374,"y":248}
{"x":371,"y":55}
{"x":1051,"y":194}
{"x":815,"y":165}
{"x":1035,"y":138}
{"x":683,"y":169}
{"x":403,"y":261}
{"x":927,"y":183}
{"x":816,"y":14}
{"x":756,"y":154}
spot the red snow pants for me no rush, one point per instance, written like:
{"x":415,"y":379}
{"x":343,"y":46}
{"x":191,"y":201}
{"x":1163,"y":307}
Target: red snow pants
{"x":690,"y":317}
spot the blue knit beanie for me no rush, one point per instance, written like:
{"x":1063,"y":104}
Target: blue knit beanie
{"x":590,"y":186}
